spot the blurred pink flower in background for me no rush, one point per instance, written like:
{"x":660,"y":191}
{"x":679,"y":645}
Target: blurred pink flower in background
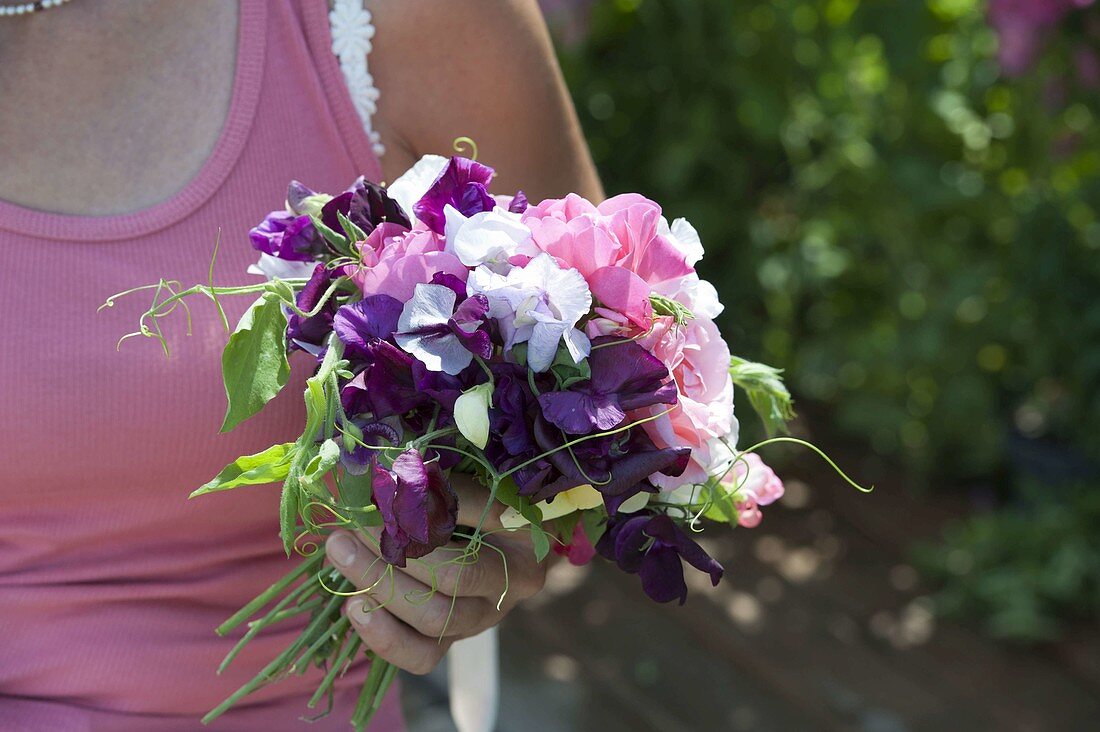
{"x":1023,"y":27}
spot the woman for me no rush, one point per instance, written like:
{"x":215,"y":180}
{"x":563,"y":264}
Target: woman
{"x":130,"y":135}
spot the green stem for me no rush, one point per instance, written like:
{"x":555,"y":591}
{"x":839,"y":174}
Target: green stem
{"x":280,"y":663}
{"x":339,"y":666}
{"x":268,"y":595}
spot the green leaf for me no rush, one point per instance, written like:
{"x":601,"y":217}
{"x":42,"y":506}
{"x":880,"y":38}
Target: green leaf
{"x":338,"y":241}
{"x":568,"y":372}
{"x":269,"y":466}
{"x":254,"y":362}
{"x":594,"y":521}
{"x":288,"y":507}
{"x":353,"y":232}
{"x":768,"y":395}
{"x":508,"y":494}
{"x":321,"y":463}
{"x":355,"y":492}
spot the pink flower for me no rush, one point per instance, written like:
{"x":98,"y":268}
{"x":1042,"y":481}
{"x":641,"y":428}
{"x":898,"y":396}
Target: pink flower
{"x":698,"y":360}
{"x":757,"y":485}
{"x":579,"y":551}
{"x":396,"y":260}
{"x":1023,"y":26}
{"x":618,"y":247}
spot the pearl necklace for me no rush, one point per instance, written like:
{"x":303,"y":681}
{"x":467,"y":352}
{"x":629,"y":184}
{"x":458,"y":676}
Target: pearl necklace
{"x":28,"y":8}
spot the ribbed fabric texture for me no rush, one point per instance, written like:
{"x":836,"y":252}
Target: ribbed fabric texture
{"x":111,"y":581}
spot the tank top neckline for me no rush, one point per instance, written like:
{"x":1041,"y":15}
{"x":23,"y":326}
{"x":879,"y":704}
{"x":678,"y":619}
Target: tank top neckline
{"x":247,"y":79}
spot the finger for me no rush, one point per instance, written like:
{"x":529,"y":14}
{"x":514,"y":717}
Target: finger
{"x":392,"y":640}
{"x":430,"y":613}
{"x":499,"y":569}
{"x":472,"y":499}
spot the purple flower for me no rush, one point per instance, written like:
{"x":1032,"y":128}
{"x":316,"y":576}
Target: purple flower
{"x":463,"y":184}
{"x":360,"y":458}
{"x":652,"y":546}
{"x":310,"y":334}
{"x":519,"y":203}
{"x":625,"y":376}
{"x":287,"y":236}
{"x":366,"y":205}
{"x":296,"y":195}
{"x":616,"y":465}
{"x":385,"y":387}
{"x":359,"y":324}
{"x":418,"y":507}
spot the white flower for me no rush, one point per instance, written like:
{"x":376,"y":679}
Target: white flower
{"x":684,"y":236}
{"x":411,"y":186}
{"x":283,"y":269}
{"x":471,"y":413}
{"x":422,"y":330}
{"x":486,"y":237}
{"x":539,"y":304}
{"x":700,"y":297}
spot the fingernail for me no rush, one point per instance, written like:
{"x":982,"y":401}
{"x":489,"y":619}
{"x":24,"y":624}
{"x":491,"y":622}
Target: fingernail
{"x":342,"y":549}
{"x":359,"y":611}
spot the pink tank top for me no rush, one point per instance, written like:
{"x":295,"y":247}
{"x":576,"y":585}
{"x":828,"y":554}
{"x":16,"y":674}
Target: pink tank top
{"x":111,"y":581}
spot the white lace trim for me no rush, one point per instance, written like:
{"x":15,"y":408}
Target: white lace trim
{"x":352,"y":31}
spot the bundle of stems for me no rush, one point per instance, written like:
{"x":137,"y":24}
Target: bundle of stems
{"x":327,"y":641}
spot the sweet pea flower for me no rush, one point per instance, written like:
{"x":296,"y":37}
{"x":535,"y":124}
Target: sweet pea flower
{"x":286,"y":235}
{"x":310,"y":334}
{"x":756,"y":484}
{"x":440,"y":336}
{"x":471,"y":413}
{"x":283,"y":269}
{"x":463,"y":185}
{"x":411,"y":185}
{"x":579,"y":551}
{"x":419,"y":508}
{"x":625,"y":377}
{"x":581,"y":498}
{"x":652,"y":546}
{"x":365,"y":204}
{"x":492,"y":236}
{"x":539,"y":304}
{"x":698,"y":360}
{"x":395,"y":259}
{"x":624,"y":248}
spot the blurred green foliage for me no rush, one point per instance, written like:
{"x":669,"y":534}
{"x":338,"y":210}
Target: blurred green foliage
{"x":1026,"y":570}
{"x":912,"y":236}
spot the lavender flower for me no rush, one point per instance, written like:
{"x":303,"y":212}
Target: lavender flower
{"x":440,"y":336}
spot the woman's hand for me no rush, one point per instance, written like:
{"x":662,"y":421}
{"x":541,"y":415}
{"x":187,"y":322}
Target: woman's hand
{"x":402,"y":620}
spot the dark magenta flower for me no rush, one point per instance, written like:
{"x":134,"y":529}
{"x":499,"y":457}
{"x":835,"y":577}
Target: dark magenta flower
{"x":418,"y":507}
{"x":385,"y":386}
{"x":366,"y":205}
{"x":462,"y":184}
{"x":360,"y":458}
{"x":652,"y":546}
{"x":625,"y":376}
{"x":310,"y":334}
{"x":616,"y":465}
{"x":287,"y":236}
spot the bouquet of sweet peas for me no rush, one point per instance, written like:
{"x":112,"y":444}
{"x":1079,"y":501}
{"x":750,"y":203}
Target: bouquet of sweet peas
{"x":562,"y":353}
